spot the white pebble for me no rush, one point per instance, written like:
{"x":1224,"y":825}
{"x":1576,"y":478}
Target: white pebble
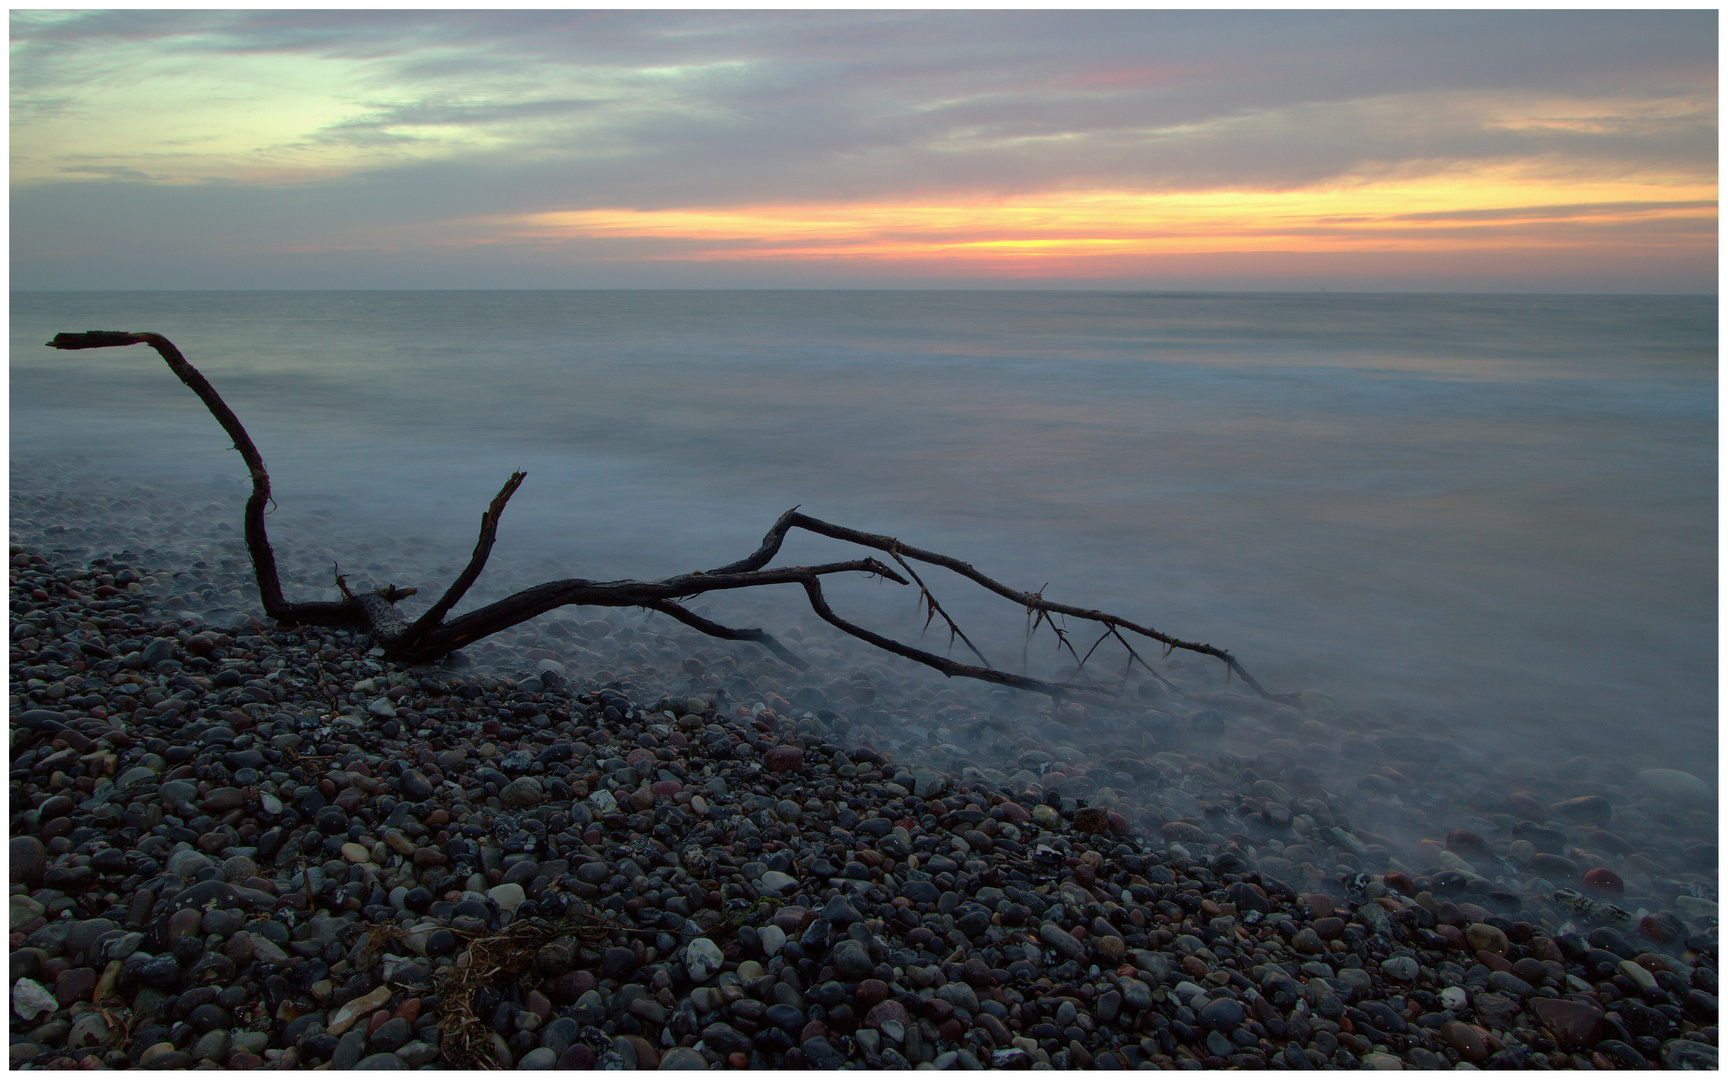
{"x":702,"y":958}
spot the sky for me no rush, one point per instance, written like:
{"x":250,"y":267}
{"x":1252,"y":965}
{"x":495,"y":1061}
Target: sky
{"x":1471,"y":151}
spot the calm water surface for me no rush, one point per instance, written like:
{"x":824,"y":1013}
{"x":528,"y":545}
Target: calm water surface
{"x":1499,"y":512}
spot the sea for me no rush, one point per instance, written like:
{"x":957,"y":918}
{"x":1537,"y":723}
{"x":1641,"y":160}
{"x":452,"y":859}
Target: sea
{"x":1490,"y":516}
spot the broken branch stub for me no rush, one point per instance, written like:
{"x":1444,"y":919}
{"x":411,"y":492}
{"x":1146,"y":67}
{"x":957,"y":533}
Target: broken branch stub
{"x":434,"y":633}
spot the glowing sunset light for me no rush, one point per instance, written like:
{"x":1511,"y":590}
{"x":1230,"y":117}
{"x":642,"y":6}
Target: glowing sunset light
{"x":1455,"y":212}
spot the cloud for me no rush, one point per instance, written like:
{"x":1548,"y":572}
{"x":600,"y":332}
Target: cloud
{"x":323,"y":123}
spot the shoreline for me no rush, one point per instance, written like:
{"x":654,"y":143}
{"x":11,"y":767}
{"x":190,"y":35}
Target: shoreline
{"x":263,"y":846}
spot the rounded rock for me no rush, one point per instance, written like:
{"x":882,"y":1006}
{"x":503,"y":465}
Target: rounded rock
{"x":1674,"y":784}
{"x":1402,"y":968}
{"x":538,"y":1058}
{"x":29,"y":860}
{"x":703,"y":959}
{"x":1224,"y":1014}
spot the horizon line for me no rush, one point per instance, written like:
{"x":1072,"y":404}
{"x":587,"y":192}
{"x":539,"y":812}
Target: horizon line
{"x":1324,"y":291}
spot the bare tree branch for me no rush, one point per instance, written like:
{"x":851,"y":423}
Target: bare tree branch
{"x":935,"y":609}
{"x":714,"y":629}
{"x":428,"y":622}
{"x":434,"y":634}
{"x":1032,"y":601}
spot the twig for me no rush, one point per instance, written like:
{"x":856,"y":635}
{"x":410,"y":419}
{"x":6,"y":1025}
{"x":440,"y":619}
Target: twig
{"x":935,"y":609}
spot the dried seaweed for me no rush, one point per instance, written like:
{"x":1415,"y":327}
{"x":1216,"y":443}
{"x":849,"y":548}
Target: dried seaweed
{"x":490,"y":961}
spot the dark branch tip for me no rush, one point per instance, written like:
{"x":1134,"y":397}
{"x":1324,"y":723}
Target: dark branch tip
{"x":94,"y":339}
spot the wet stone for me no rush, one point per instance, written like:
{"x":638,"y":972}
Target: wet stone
{"x":350,"y":1048}
{"x":852,"y":960}
{"x":538,"y":1058}
{"x":1224,"y":1014}
{"x":1688,"y":1054}
{"x":723,"y":1038}
{"x":1065,"y":944}
{"x":681,"y":1058}
{"x":1401,"y":968}
{"x":702,"y":959}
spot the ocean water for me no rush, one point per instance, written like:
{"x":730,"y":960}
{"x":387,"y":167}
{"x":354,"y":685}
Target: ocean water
{"x":1494,"y":516}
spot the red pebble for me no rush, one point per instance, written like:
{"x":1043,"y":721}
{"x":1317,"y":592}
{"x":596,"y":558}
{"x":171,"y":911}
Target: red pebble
{"x":978,"y":973}
{"x":1661,"y":928}
{"x":1604,"y":882}
{"x":1527,"y":806}
{"x":870,"y":993}
{"x":1493,"y":961}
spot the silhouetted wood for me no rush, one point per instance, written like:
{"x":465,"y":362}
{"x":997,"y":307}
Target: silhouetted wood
{"x":435,"y":634}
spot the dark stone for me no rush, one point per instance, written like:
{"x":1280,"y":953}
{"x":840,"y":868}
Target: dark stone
{"x":840,"y":912}
{"x":1687,"y":1054}
{"x":415,"y":786}
{"x":1617,"y":1051}
{"x":1224,"y":1014}
{"x":391,"y":1036}
{"x":786,"y":1017}
{"x":821,"y":1054}
{"x":206,"y":894}
{"x":1641,"y":1019}
{"x":86,"y":933}
{"x":208,"y":1018}
{"x":559,"y":1035}
{"x":1383,"y":1017}
{"x":162,"y":971}
{"x":852,"y":960}
{"x":618,"y":961}
{"x":1612,"y":940}
{"x":1248,"y":897}
{"x":350,"y":1048}
{"x":920,"y":892}
{"x":29,"y":860}
{"x":723,"y":1039}
{"x":301,"y":1027}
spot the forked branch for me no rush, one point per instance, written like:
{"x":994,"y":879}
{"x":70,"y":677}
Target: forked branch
{"x":435,"y":634}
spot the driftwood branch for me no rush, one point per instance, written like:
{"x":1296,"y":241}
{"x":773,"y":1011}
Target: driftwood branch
{"x":1035,"y":604}
{"x":713,"y":629}
{"x":434,"y":616}
{"x":435,"y":634}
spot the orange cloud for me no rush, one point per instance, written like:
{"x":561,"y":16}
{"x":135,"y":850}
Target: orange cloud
{"x":1067,"y":232}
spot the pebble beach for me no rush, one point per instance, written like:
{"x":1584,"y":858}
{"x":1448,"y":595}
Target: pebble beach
{"x":604,"y":841}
